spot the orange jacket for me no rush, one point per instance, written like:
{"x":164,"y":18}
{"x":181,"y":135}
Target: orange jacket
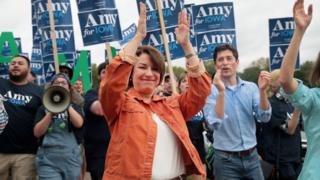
{"x":133,"y":132}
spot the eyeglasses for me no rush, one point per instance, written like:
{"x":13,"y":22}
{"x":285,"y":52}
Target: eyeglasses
{"x":59,"y":83}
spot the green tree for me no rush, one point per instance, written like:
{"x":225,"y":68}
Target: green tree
{"x":178,"y":71}
{"x":210,"y":67}
{"x":252,"y":72}
{"x":304,"y":72}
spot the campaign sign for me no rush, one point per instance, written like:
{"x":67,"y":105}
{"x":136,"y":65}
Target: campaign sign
{"x":208,"y":41}
{"x":188,"y":7}
{"x":281,"y":30}
{"x":83,"y":69}
{"x":61,"y":12}
{"x":88,"y":5}
{"x":154,"y":39}
{"x":36,"y":35}
{"x":38,"y":70}
{"x":128,"y":34}
{"x":68,"y":57}
{"x":36,"y":54}
{"x":64,"y":39}
{"x":49,"y":68}
{"x":4,"y":67}
{"x":100,"y":26}
{"x":6,"y":48}
{"x":33,"y":12}
{"x":4,"y":70}
{"x":88,"y":57}
{"x":213,"y":16}
{"x":277,"y":53}
{"x":170,"y":11}
{"x":37,"y":67}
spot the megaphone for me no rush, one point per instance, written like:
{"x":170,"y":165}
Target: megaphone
{"x":56,"y":99}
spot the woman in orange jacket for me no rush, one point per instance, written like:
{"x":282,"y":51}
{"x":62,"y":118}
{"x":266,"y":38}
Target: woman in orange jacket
{"x":149,"y":137}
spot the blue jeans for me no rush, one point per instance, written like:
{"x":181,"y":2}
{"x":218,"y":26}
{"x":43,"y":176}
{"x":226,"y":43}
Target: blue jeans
{"x":233,"y":167}
{"x":59,"y":164}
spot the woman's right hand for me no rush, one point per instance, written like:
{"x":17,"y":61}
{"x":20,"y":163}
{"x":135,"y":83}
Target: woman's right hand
{"x":142,"y":23}
{"x":302,"y":19}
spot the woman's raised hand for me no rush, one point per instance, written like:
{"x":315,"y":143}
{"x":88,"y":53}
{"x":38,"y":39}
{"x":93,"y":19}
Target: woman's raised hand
{"x":142,"y":23}
{"x":183,"y":29}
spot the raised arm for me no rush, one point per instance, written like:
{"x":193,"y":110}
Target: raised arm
{"x":192,"y":101}
{"x":112,"y":88}
{"x":302,"y":20}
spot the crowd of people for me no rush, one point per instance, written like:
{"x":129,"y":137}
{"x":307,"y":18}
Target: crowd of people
{"x":135,"y":126}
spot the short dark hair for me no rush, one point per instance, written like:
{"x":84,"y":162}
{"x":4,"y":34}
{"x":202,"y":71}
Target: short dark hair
{"x":101,"y":67}
{"x":223,"y":48}
{"x":24,"y":57}
{"x":155,"y":57}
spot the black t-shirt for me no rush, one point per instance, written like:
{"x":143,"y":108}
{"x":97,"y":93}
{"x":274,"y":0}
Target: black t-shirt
{"x":21,"y":103}
{"x":274,"y":140}
{"x":97,"y":135}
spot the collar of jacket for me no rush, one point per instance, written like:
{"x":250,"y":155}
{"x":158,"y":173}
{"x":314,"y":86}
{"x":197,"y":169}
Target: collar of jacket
{"x":132,"y":92}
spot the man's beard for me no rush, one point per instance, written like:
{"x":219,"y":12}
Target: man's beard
{"x":18,"y":78}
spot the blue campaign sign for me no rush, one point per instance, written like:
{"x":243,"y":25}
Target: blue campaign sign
{"x":33,"y":13}
{"x":208,"y":41}
{"x":281,"y":30}
{"x":170,"y":11}
{"x":6,"y":48}
{"x":128,"y":34}
{"x":36,"y":54}
{"x":213,"y":16}
{"x":36,"y":36}
{"x":61,"y":12}
{"x":48,"y":65}
{"x":38,"y":70}
{"x":277,"y":53}
{"x":154,"y":39}
{"x":69,"y":57}
{"x":88,"y":5}
{"x":64,"y":39}
{"x":37,"y":67}
{"x":4,"y":70}
{"x":188,"y":7}
{"x":18,"y":43}
{"x":49,"y":70}
{"x":100,"y":26}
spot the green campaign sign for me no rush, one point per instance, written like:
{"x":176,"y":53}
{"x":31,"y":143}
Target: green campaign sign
{"x":8,"y":37}
{"x":82,"y":69}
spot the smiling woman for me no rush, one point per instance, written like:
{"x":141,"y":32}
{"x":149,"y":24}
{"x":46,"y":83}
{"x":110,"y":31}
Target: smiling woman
{"x":149,"y":135}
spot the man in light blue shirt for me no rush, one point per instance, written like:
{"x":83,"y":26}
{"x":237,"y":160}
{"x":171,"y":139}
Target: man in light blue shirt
{"x":231,"y":111}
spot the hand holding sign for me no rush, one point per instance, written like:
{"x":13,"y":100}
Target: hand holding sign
{"x":301,"y":18}
{"x":183,"y":29}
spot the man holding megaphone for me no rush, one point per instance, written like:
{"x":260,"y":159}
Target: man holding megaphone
{"x":59,"y":126}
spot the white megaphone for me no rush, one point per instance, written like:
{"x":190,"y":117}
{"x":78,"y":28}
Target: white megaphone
{"x":56,"y":99}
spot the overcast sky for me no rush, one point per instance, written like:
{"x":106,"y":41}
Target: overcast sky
{"x":251,"y":17}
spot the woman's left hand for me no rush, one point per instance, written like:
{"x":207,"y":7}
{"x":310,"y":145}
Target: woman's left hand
{"x":183,"y":29}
